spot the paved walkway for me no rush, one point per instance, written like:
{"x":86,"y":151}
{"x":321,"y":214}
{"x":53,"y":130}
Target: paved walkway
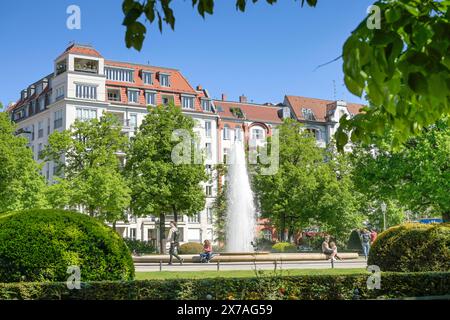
{"x":354,"y":263}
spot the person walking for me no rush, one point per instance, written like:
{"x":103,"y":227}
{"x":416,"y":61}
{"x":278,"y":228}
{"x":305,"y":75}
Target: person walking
{"x":365,"y":242}
{"x":173,"y":237}
{"x":373,"y":235}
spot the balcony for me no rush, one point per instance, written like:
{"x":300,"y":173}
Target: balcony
{"x":86,"y":66}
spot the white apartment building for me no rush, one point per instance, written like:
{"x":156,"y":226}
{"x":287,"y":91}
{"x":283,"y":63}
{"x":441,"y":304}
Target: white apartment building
{"x":84,"y":85}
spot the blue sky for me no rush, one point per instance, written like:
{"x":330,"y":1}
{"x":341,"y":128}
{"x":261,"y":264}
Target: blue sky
{"x":264,"y":53}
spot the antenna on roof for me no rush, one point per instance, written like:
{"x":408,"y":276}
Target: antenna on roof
{"x":148,"y":62}
{"x":334,"y":90}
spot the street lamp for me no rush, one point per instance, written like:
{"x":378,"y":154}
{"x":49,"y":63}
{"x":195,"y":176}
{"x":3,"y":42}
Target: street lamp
{"x":383,"y":209}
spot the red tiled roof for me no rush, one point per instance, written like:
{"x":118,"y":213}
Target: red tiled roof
{"x":318,"y":106}
{"x":252,"y":112}
{"x":82,"y":49}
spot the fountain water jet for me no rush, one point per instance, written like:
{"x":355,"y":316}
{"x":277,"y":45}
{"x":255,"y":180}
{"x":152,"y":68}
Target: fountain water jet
{"x":241,"y":219}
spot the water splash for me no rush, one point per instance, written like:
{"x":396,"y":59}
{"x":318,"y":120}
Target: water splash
{"x":241,"y":219}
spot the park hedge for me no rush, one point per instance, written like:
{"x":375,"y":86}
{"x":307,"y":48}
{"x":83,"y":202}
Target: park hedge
{"x":323,"y":287}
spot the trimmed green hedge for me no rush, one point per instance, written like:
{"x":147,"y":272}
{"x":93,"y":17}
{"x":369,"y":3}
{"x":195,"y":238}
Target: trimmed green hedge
{"x":393,"y":285}
{"x":40,"y":245}
{"x":284,"y":247}
{"x":191,"y":248}
{"x":412,"y":247}
{"x":140,"y":247}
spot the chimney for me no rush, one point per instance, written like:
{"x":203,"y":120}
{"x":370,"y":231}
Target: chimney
{"x":224,"y":97}
{"x":199,"y":88}
{"x":243,"y":99}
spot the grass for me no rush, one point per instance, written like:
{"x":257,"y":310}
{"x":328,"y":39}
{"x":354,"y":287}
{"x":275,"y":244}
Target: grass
{"x":161,"y":275}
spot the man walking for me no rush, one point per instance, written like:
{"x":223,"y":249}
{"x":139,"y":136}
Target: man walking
{"x":173,"y":237}
{"x":365,"y":242}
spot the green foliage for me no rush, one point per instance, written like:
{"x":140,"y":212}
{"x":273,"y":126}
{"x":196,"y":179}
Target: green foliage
{"x":416,"y":177}
{"x":220,"y":209}
{"x":312,"y":186}
{"x":191,"y":248}
{"x":92,"y":173}
{"x":39,"y":245}
{"x":284,"y":247}
{"x":140,"y":247}
{"x":403,"y":68}
{"x":161,"y":11}
{"x":314,"y":287}
{"x":21,"y":185}
{"x":412,"y":247}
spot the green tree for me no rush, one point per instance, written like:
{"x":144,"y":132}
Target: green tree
{"x":159,"y":185}
{"x":307,"y":190}
{"x":86,"y":156}
{"x":418,"y":176}
{"x":402,"y":65}
{"x":21,"y":184}
{"x":220,"y":207}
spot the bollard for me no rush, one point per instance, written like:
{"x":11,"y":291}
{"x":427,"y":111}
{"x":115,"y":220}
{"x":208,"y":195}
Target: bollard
{"x":275,"y":263}
{"x":332,"y":264}
{"x":218,"y":265}
{"x":160,"y":265}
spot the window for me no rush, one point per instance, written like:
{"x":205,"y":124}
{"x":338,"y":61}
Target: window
{"x":187,"y":102}
{"x":32,"y":133}
{"x":208,"y":129}
{"x":150,"y":98}
{"x":133,"y":233}
{"x":48,"y":126}
{"x":121,"y":75}
{"x":209,"y":191}
{"x":61,"y":67}
{"x":164,"y":80}
{"x":40,"y":129}
{"x":85,"y":91}
{"x":257,"y":134}
{"x":85,"y":114}
{"x":308,"y":114}
{"x":42,"y":102}
{"x":58,"y":119}
{"x":39,"y":151}
{"x":133,"y":96}
{"x":167,"y":99}
{"x":209,"y":216}
{"x":194,"y":219}
{"x":59,"y":94}
{"x":208,"y":148}
{"x":226,"y":132}
{"x":133,"y":120}
{"x":238,"y":134}
{"x":206,"y":105}
{"x":225,"y":155}
{"x":147,"y":77}
{"x":113,"y":95}
{"x":194,"y":235}
{"x":86,"y":65}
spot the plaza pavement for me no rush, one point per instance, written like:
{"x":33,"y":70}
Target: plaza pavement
{"x":150,"y":267}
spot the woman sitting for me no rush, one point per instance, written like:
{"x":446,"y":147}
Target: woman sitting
{"x":207,"y":252}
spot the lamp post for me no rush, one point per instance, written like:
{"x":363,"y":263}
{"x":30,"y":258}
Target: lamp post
{"x":383,"y":209}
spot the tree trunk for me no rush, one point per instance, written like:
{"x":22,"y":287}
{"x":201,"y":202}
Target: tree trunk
{"x":114,"y":226}
{"x":446,"y":216}
{"x":283,"y":227}
{"x":175,"y":214}
{"x":162,"y":233}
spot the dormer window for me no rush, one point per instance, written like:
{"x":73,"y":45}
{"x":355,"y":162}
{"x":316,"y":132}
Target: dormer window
{"x":164,"y":79}
{"x":147,"y":77}
{"x":119,"y":74}
{"x":187,"y":102}
{"x":206,"y":105}
{"x":61,"y":67}
{"x":308,"y":114}
{"x":133,"y":96}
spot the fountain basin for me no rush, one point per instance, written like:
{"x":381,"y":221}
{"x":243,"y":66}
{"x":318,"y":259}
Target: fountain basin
{"x":248,"y":257}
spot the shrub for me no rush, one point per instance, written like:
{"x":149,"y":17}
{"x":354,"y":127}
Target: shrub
{"x":412,"y":247}
{"x":191,"y":248}
{"x":40,"y":245}
{"x":140,"y":247}
{"x":323,"y":287}
{"x":284,"y":247}
{"x":264,"y":244}
{"x":354,"y":242}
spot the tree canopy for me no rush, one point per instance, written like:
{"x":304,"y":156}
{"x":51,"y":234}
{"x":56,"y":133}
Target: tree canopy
{"x":87,"y":158}
{"x":21,"y":184}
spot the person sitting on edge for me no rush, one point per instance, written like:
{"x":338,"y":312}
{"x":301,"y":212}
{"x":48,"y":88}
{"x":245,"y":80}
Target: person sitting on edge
{"x":334,"y":248}
{"x":207,"y":251}
{"x":330,"y":253}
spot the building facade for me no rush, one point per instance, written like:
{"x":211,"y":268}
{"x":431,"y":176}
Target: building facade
{"x":84,"y":85}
